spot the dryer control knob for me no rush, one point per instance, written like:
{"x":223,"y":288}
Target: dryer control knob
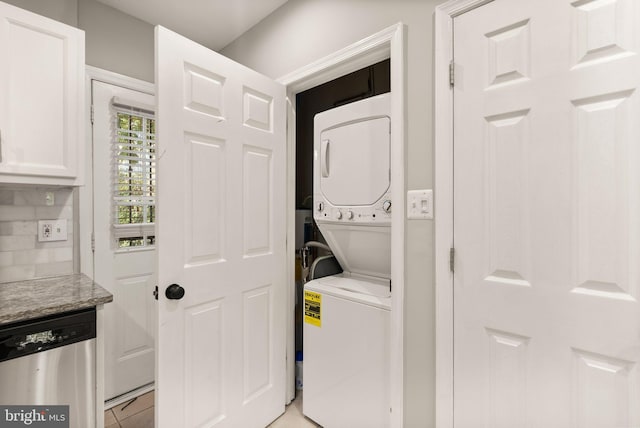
{"x":338,"y":215}
{"x":386,"y":206}
{"x":350,"y":215}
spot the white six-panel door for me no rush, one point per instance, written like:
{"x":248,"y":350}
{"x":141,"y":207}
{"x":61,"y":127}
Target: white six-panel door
{"x":547,"y":214}
{"x":221,"y":236}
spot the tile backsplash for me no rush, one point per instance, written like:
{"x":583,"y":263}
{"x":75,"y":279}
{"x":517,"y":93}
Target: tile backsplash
{"x":21,"y":255}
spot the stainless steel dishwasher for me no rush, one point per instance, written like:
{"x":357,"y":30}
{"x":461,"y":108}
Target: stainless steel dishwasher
{"x":51,"y":361}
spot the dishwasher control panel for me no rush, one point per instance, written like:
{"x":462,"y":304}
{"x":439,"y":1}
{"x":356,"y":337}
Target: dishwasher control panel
{"x":41,"y":334}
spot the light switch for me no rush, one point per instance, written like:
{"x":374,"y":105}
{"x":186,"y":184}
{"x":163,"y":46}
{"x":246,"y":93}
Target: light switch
{"x":420,"y":204}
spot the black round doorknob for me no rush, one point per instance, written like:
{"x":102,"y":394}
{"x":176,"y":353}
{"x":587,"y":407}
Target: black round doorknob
{"x":174,"y":292}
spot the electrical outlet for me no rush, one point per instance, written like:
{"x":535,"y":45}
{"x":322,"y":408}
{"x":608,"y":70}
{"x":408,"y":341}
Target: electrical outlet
{"x":52,"y":230}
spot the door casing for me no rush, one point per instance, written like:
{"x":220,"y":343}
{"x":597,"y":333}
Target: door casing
{"x":443,"y":203}
{"x":444,"y":200}
{"x":388,"y":43}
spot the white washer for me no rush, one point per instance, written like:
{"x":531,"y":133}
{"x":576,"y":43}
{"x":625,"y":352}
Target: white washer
{"x":346,"y":342}
{"x":346,"y":357}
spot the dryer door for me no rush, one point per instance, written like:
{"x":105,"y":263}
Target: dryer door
{"x":354,"y":162}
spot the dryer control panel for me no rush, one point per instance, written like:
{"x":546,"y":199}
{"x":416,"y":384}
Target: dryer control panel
{"x":378,"y":213}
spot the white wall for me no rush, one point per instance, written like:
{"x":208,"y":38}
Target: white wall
{"x":303,"y":31}
{"x":114,"y":40}
{"x":61,"y":10}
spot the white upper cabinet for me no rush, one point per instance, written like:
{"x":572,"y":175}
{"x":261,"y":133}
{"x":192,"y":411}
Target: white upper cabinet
{"x":41,"y":99}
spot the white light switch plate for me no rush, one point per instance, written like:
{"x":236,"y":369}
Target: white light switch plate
{"x":420,"y":204}
{"x":52,"y":230}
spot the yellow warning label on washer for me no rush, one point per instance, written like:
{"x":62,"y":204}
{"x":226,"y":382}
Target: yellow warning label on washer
{"x":313,"y":308}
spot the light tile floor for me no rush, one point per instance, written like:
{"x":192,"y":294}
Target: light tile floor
{"x":139,"y":414}
{"x":293,"y":417}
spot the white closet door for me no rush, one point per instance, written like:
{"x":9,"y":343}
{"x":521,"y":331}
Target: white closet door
{"x":547,"y":237}
{"x":221,"y":237}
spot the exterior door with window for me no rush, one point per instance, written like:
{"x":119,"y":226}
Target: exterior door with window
{"x":221,"y":240}
{"x":547,"y":209}
{"x":124,"y":231}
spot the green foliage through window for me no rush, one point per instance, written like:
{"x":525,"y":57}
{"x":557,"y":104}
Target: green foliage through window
{"x":134,"y":170}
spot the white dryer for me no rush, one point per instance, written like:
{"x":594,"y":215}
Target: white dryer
{"x":346,"y":328}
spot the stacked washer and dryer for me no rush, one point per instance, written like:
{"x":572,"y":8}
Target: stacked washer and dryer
{"x":347,"y":316}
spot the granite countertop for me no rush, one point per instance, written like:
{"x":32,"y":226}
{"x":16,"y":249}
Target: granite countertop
{"x":36,"y":298}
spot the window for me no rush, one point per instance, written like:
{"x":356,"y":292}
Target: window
{"x":134,"y":177}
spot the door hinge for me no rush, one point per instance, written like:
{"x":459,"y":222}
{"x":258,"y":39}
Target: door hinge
{"x":155,"y":292}
{"x":452,"y":74}
{"x":93,"y":243}
{"x":452,"y":258}
{"x":92,"y":114}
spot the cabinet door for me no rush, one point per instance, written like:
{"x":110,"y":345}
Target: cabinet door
{"x":41,"y":99}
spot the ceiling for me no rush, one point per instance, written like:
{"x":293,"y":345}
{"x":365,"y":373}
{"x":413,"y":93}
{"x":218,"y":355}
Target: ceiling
{"x":213,"y":23}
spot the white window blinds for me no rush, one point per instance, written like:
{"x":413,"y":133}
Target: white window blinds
{"x":134,"y":175}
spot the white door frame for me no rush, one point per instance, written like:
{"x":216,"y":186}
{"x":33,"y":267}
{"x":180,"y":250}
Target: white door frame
{"x":388,"y":43}
{"x":443,"y":206}
{"x":85,"y":210}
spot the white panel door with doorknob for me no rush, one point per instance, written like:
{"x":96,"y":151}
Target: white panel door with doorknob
{"x":546,"y":209}
{"x":221,"y":239}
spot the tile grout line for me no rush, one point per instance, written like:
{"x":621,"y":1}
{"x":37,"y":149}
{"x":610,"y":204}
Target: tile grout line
{"x":126,"y":404}
{"x":117,"y":423}
{"x":131,"y":415}
{"x":126,"y":423}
